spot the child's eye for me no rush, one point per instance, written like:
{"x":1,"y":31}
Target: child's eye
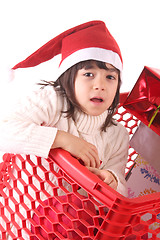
{"x":88,"y":74}
{"x":111,"y":77}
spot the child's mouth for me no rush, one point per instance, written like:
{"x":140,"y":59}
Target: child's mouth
{"x":96,"y":100}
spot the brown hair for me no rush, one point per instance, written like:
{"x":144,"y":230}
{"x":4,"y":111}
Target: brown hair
{"x":65,"y":85}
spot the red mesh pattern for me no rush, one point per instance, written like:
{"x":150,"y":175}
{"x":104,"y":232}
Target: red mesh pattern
{"x":58,"y":198}
{"x":68,"y":214}
{"x":130,"y":122}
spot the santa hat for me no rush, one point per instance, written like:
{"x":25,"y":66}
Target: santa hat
{"x":88,"y":41}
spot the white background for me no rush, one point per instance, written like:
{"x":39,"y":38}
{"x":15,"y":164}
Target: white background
{"x":27,"y":25}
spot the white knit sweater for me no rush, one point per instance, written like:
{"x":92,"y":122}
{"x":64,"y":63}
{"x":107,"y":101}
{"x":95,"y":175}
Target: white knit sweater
{"x":31,"y":125}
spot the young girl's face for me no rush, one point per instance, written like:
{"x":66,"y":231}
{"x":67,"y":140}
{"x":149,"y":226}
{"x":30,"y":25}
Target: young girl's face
{"x":96,"y":88}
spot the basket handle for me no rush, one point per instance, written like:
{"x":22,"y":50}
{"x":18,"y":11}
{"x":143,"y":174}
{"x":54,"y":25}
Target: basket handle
{"x":82,"y":176}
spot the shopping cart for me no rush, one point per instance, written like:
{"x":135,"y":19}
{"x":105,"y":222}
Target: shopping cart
{"x":28,"y":210}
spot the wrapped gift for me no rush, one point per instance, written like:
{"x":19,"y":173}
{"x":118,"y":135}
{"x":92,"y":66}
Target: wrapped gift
{"x":143,"y":180}
{"x":147,"y":143}
{"x":144,"y":99}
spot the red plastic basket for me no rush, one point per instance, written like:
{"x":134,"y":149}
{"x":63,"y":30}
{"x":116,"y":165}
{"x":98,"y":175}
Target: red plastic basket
{"x":32,"y":206}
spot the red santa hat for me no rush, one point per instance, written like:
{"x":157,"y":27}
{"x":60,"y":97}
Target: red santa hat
{"x":88,"y":41}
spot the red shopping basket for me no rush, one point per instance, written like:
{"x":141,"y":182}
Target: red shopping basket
{"x":43,"y":199}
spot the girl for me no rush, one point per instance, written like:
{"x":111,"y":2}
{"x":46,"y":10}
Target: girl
{"x":74,"y":112}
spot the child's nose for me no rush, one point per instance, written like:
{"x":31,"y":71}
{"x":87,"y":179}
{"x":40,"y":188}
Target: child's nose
{"x":99,"y":84}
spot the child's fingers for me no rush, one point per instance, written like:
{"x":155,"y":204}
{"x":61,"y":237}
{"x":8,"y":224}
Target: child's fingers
{"x":111,"y":180}
{"x":88,"y":159}
{"x":89,"y":155}
{"x":79,"y":148}
{"x":93,"y":159}
{"x":97,"y":171}
{"x":105,"y":176}
{"x":113,"y":184}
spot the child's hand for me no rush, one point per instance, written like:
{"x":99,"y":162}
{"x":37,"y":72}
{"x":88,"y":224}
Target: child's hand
{"x":105,"y":176}
{"x":78,"y":147}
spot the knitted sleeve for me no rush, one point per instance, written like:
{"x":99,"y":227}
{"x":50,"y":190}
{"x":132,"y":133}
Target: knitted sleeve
{"x":118,"y":148}
{"x":28,"y":127}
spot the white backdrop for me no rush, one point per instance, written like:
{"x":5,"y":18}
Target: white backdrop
{"x":25,"y":25}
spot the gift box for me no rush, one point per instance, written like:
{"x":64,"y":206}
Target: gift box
{"x":144,"y":179}
{"x":144,"y":99}
{"x":147,"y":143}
